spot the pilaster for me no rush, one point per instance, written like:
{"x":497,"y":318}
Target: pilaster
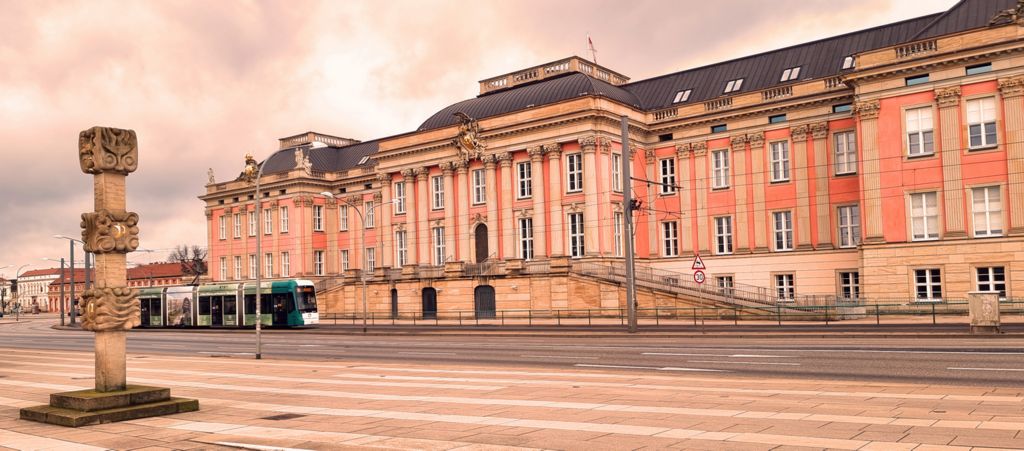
{"x":411,"y":203}
{"x":652,"y":189}
{"x":463,"y":251}
{"x":700,"y":155}
{"x":685,"y":215}
{"x":540,"y":231}
{"x":507,"y":233}
{"x":387,"y":237}
{"x":867,"y":113}
{"x":760,"y":210}
{"x":554,"y":152}
{"x":738,"y":144}
{"x":447,"y":171}
{"x":590,"y":217}
{"x":492,"y":205}
{"x":1012,"y":92}
{"x":822,"y":206}
{"x":803,"y":197}
{"x":423,"y":209}
{"x":948,"y":100}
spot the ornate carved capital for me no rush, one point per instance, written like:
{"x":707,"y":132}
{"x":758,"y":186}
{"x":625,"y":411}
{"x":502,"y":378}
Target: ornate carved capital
{"x":489,"y":161}
{"x":408,"y":174}
{"x":699,"y":148}
{"x":110,"y":308}
{"x":738,"y":142}
{"x":377,"y":197}
{"x":107,"y":149}
{"x":605,"y":146}
{"x":755,"y":139}
{"x":867,"y":110}
{"x":332,"y":202}
{"x":106,"y":232}
{"x":422,"y":173}
{"x":536,"y":153}
{"x":683,"y":150}
{"x":554,"y":150}
{"x":798,"y":133}
{"x":947,"y":97}
{"x":304,"y":201}
{"x":384,"y":178}
{"x":1011,"y":87}
{"x":504,"y":159}
{"x":447,"y":168}
{"x":209,"y":214}
{"x":650,"y":154}
{"x":588,"y":143}
{"x":819,"y":130}
{"x":461,"y":166}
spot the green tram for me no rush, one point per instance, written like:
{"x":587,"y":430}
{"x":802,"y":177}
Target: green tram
{"x":284,"y":303}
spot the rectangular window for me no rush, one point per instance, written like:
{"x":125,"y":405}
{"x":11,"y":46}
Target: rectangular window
{"x":992,"y":278}
{"x":252,"y":267}
{"x":237,"y":225}
{"x":987,"y":207}
{"x":252,"y":223}
{"x":916,"y":80}
{"x":723,"y":235}
{"x":780,"y":161}
{"x":526,"y":238}
{"x":525,"y":171}
{"x":617,"y":172}
{"x":343,"y":217}
{"x":223,"y":229}
{"x":924,"y":216}
{"x":928,"y":284}
{"x":223,"y":268}
{"x":720,"y":169}
{"x":368,"y":215}
{"x":849,"y":285}
{"x":318,"y":218}
{"x":981,"y":122}
{"x":979,"y":69}
{"x":776,"y":118}
{"x":919,"y":132}
{"x":790,"y":74}
{"x":574,"y":172}
{"x":399,"y":189}
{"x":668,"y":175}
{"x":784,"y":289}
{"x":437,"y":182}
{"x":268,"y":265}
{"x":401,"y":249}
{"x":238,"y":267}
{"x":849,"y":226}
{"x":783,"y":226}
{"x":845,"y":152}
{"x":718,"y":128}
{"x":576,"y":249}
{"x":318,"y":263}
{"x":733,"y":86}
{"x":682,"y":96}
{"x":618,"y":218}
{"x":268,"y":222}
{"x":842,"y":108}
{"x":849,"y":62}
{"x":725,"y":285}
{"x":438,"y":246}
{"x":479,"y":187}
{"x":344,"y":260}
{"x":371,"y":258}
{"x":286,"y":264}
{"x":284,"y":219}
{"x":670,"y":238}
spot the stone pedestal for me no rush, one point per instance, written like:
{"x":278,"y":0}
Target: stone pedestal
{"x":85,"y":407}
{"x":984,"y":312}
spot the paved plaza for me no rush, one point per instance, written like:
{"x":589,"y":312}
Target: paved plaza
{"x":282,"y":404}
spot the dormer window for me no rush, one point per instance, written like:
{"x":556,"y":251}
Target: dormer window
{"x":363,"y":160}
{"x":790,"y":74}
{"x":849,"y":62}
{"x":733,"y":85}
{"x":682,"y":96}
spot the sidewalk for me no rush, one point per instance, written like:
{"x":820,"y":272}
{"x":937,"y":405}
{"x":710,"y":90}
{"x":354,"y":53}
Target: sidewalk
{"x":278,"y":404}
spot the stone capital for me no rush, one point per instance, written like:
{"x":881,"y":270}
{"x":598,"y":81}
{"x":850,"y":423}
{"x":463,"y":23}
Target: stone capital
{"x":108,"y":232}
{"x":408,"y":174}
{"x":384,"y":178}
{"x":947,"y":97}
{"x":683,"y":150}
{"x":588,"y":143}
{"x":867,"y":110}
{"x":377,"y":197}
{"x":489,"y":161}
{"x":1011,"y":87}
{"x":536,"y":153}
{"x":209,"y":214}
{"x":819,"y":130}
{"x":738,"y":142}
{"x":699,"y":148}
{"x":650,"y":155}
{"x":107,"y":149}
{"x":755,"y":139}
{"x":447,"y":168}
{"x":798,"y":133}
{"x":504,"y":159}
{"x":461,"y":166}
{"x":554,"y":150}
{"x":422,"y":173}
{"x":605,"y":146}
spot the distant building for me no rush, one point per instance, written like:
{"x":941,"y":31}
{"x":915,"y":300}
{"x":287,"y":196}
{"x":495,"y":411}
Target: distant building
{"x":881,"y":165}
{"x":33,"y":288}
{"x":148,"y":275}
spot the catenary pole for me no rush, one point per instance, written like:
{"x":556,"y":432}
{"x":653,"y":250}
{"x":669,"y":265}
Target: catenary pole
{"x":72,"y":264}
{"x":627,"y":218}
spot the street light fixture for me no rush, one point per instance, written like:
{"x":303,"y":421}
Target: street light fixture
{"x":71,"y":245}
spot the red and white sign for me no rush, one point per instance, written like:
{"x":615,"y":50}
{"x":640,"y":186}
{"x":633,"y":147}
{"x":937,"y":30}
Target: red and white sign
{"x":698,"y":276}
{"x":698,"y":263}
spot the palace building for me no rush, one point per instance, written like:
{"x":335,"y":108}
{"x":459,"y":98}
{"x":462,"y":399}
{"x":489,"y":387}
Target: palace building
{"x":883,"y":165}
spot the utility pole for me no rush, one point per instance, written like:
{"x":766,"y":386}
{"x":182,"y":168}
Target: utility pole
{"x":627,"y":236}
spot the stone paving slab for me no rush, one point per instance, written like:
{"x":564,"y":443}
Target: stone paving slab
{"x":282,"y":404}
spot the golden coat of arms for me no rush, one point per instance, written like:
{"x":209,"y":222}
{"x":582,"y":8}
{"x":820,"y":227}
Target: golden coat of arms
{"x":468,"y":140}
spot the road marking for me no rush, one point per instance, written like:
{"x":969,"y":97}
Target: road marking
{"x":216,"y":353}
{"x":720,"y":355}
{"x":428,"y":353}
{"x":733,"y":362}
{"x":658,"y":368}
{"x":258,"y":447}
{"x":986,"y":369}
{"x":560,"y":357}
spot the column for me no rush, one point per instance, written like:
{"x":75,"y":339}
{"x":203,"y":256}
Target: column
{"x":738,"y":160}
{"x":448,"y":171}
{"x":356,"y":232}
{"x":685,"y":216}
{"x":590,"y":217}
{"x":490,"y":162}
{"x":331,"y":265}
{"x":822,"y":205}
{"x":385,"y":236}
{"x":803,"y":198}
{"x":867,"y":112}
{"x":1012,"y":91}
{"x":507,"y":232}
{"x":537,"y":188}
{"x":652,"y":219}
{"x":463,"y":251}
{"x":557,"y":226}
{"x":605,"y":211}
{"x":948,"y":100}
{"x":411,"y":199}
{"x":420,"y":229}
{"x":760,"y":212}
{"x":700,"y":154}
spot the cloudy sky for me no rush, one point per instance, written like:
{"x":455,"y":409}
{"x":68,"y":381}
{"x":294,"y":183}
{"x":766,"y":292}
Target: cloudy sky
{"x":204,"y":82}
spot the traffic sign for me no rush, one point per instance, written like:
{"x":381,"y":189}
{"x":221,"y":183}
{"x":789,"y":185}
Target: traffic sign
{"x":698,"y":263}
{"x":698,"y":276}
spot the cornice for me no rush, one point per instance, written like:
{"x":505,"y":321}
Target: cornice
{"x":917,"y":64}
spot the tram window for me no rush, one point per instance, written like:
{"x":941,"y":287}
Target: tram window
{"x":289,"y":303}
{"x":204,"y":306}
{"x":229,"y":306}
{"x":306,"y":299}
{"x":266,"y":305}
{"x":250,"y":304}
{"x":155,"y":308}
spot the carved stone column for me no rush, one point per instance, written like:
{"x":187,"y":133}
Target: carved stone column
{"x":507,"y":232}
{"x":1012,"y":91}
{"x":387,"y":237}
{"x":448,"y":170}
{"x":738,"y":158}
{"x":331,"y":229}
{"x":867,"y":112}
{"x":803,"y":195}
{"x":411,"y":201}
{"x":462,"y":183}
{"x":652,"y":190}
{"x":492,"y":205}
{"x":700,"y":154}
{"x":822,"y":205}
{"x":686,"y":216}
{"x":557,"y":227}
{"x":948,"y":100}
{"x":420,"y":229}
{"x":756,"y":141}
{"x":591,"y":241}
{"x":604,"y":163}
{"x":356,"y":232}
{"x":540,"y":232}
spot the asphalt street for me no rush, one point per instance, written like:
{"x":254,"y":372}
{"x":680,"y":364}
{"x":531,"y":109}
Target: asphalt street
{"x":996,"y":361}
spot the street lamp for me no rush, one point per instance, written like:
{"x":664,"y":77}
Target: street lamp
{"x":62,"y":281}
{"x":17,"y":275}
{"x":71,"y":244}
{"x":3,"y":295}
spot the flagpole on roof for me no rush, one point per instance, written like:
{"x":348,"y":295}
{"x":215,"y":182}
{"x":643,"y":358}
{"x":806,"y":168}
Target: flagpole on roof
{"x":593,"y":52}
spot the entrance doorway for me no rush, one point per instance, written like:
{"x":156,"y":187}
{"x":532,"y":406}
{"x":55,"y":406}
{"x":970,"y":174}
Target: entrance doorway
{"x":483,"y":301}
{"x":394,"y":303}
{"x":480,"y":235}
{"x":429,"y":303}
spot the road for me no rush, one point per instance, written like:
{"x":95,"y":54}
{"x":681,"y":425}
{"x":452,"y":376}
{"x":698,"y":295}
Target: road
{"x":979,"y":362}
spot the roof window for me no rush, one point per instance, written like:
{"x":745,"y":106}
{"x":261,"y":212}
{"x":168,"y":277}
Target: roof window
{"x":682,"y":96}
{"x":363,"y":160}
{"x":979,"y":69}
{"x":916,"y":80}
{"x":790,"y":74}
{"x":849,"y":62}
{"x":733,"y":86}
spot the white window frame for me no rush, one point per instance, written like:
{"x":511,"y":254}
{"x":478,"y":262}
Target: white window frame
{"x":479,"y":186}
{"x":782,"y":226}
{"x":723,"y":235}
{"x":223,"y":227}
{"x":720,"y":168}
{"x":844,"y":154}
{"x":785,"y":287}
{"x":238,"y":267}
{"x":667,"y":170}
{"x":929,"y":217}
{"x":268,"y":264}
{"x":268,"y":222}
{"x":682,"y":96}
{"x":849,"y":225}
{"x":849,"y":282}
{"x":369,"y":217}
{"x":779,"y":161}
{"x":981,"y":114}
{"x":573,"y":172}
{"x":733,"y":86}
{"x":252,"y":266}
{"x":399,"y":189}
{"x":318,"y":218}
{"x":371,"y":258}
{"x":988,"y":222}
{"x":236,"y":224}
{"x":284,"y":219}
{"x":576,"y":231}
{"x":932,"y":280}
{"x":526,"y":238}
{"x":286,"y":264}
{"x":342,"y":217}
{"x":437,"y":190}
{"x":524,"y":172}
{"x":401,"y":248}
{"x":617,"y":233}
{"x":438,"y":233}
{"x":318,"y":263}
{"x":344,"y":257}
{"x":849,"y":62}
{"x":991,"y":285}
{"x":670,"y":238}
{"x":223,"y":268}
{"x":916,"y":127}
{"x":617,"y":172}
{"x":251,"y":216}
{"x":791,"y":73}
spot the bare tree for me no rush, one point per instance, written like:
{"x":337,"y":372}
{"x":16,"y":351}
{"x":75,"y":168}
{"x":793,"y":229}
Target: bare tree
{"x":192,"y":260}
